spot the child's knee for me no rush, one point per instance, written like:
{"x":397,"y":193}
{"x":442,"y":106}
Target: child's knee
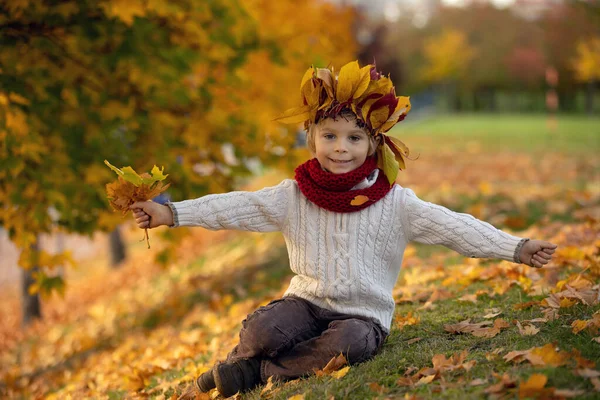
{"x":357,"y":339}
{"x":261,"y":332}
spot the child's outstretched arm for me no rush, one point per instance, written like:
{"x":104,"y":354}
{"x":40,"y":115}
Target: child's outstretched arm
{"x":429,"y":223}
{"x":536,"y":253}
{"x":149,"y":214}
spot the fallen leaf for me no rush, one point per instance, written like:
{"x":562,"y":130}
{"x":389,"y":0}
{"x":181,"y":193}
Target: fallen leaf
{"x":404,"y":381}
{"x":411,"y":341}
{"x":534,"y":386}
{"x":477,"y":382}
{"x":468,"y":297}
{"x":504,"y":383}
{"x":568,"y":393}
{"x":579,"y":325}
{"x":297,"y":397}
{"x":409,"y":319}
{"x":377,"y":388}
{"x":339,"y":374}
{"x":425,"y":380}
{"x":587,"y":373}
{"x":268,"y":387}
{"x":334,"y":364}
{"x":492,"y":315}
{"x":523,"y":306}
{"x":529,"y":330}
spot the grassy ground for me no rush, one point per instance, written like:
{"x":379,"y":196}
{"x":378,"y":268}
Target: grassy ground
{"x":144,"y":332}
{"x":514,"y":132}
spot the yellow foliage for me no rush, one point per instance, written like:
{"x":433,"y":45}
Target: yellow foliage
{"x":448,"y":56}
{"x":587,"y":62}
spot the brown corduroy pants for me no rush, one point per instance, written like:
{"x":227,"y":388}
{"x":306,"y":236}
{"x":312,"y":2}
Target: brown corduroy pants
{"x":293,"y":337}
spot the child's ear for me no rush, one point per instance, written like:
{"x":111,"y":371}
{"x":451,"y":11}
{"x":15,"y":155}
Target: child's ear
{"x":375,"y":142}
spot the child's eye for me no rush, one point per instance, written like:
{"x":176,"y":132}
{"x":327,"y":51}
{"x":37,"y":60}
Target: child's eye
{"x":355,"y":138}
{"x":328,"y":135}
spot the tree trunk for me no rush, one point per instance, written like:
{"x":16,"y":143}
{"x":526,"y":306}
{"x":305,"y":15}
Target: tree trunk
{"x":589,"y":98}
{"x":117,"y":248}
{"x":31,"y":306}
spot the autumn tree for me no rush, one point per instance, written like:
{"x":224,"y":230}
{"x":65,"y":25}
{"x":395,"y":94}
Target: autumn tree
{"x":565,"y":25}
{"x":139,"y":83}
{"x":587,"y":68}
{"x":447,"y":59}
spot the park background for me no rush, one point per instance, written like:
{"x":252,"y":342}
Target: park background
{"x":504,"y":125}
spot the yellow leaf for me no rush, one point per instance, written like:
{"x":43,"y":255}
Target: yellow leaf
{"x":359,"y":200}
{"x":579,"y":325}
{"x":425,"y":380}
{"x":334,"y":364}
{"x":349,"y":74}
{"x":533,"y":387}
{"x":340,"y":373}
{"x":386,"y":161}
{"x":297,"y":397}
{"x":294,"y":115}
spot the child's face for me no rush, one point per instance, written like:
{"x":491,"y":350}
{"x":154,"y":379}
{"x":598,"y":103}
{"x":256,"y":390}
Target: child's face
{"x":340,"y":145}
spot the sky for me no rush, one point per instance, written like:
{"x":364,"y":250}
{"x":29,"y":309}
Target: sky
{"x":392,"y":9}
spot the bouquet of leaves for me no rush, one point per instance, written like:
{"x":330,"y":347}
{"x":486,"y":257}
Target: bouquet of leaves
{"x":131,"y":187}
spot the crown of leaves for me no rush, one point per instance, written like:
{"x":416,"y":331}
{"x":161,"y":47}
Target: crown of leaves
{"x":371,"y":97}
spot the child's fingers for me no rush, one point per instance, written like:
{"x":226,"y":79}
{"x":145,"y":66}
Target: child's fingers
{"x":544,"y":255}
{"x":548,"y":246}
{"x":538,"y":262}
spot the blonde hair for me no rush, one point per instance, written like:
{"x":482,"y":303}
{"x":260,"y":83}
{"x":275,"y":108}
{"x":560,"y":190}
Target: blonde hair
{"x":311,"y":133}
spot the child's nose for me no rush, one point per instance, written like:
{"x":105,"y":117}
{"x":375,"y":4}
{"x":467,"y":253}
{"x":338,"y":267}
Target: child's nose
{"x":340,"y":146}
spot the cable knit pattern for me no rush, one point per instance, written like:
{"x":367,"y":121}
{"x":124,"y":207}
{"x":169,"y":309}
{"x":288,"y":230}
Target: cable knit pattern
{"x":347,"y":262}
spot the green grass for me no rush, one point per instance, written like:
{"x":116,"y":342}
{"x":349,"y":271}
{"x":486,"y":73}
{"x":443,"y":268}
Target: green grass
{"x":516,"y":132}
{"x":397,"y":356}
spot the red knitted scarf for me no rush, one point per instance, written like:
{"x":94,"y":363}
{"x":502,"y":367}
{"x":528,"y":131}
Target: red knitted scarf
{"x":332,"y":191}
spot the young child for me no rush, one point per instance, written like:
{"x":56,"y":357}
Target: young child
{"x":346,"y":225}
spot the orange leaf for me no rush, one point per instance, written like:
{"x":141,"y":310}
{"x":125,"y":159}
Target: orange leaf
{"x":359,"y":200}
{"x":579,"y":325}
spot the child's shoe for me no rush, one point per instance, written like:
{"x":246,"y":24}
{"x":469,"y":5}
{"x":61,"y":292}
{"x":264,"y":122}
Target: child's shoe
{"x":238,"y":376}
{"x":206,"y":381}
{"x":203,"y":384}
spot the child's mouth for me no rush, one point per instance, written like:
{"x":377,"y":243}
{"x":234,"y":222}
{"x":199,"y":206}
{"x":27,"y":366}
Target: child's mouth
{"x":340,"y":161}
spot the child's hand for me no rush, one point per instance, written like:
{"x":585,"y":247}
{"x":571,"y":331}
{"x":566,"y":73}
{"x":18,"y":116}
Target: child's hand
{"x":149,"y":214}
{"x":537,"y":253}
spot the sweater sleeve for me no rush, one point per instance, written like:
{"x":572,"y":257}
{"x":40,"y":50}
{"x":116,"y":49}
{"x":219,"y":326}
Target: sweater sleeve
{"x":262,"y":211}
{"x":433,"y":224}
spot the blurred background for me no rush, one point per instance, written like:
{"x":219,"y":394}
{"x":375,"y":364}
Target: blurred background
{"x":194,"y":85}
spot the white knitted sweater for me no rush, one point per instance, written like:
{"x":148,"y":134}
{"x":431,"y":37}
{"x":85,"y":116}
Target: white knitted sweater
{"x":347,"y":262}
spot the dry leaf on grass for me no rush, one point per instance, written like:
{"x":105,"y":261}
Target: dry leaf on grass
{"x":546,"y":355}
{"x":377,"y":388}
{"x":479,"y":329}
{"x":528,"y":330}
{"x":335,"y":364}
{"x":534,"y":387}
{"x":505,"y":382}
{"x":410,"y":319}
